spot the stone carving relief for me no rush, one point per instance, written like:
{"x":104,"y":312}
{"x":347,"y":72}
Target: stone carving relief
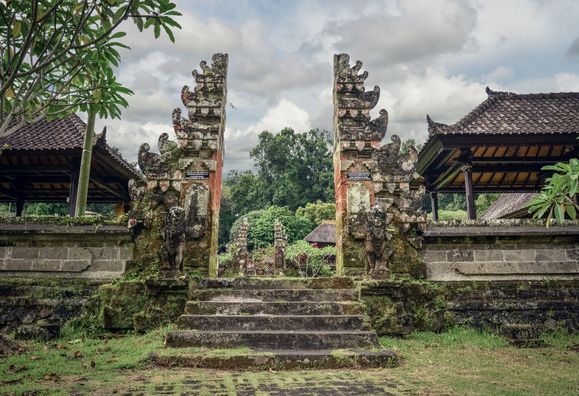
{"x":377,"y":236}
{"x":173,"y":235}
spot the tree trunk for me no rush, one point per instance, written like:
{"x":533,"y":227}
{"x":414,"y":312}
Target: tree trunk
{"x":84,"y":174}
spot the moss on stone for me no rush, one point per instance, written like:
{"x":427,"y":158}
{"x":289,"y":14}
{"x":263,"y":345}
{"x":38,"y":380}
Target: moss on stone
{"x":399,"y":306}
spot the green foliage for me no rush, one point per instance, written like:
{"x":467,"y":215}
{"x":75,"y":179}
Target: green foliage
{"x":293,"y":169}
{"x":261,"y":226}
{"x":406,"y":145}
{"x":449,"y":215}
{"x":61,"y":220}
{"x":558,"y":198}
{"x":317,"y":212}
{"x":484,"y":201}
{"x":310,"y":261}
{"x":58,"y":56}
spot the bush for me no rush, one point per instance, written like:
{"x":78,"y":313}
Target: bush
{"x":306,"y":260}
{"x":318,"y":212}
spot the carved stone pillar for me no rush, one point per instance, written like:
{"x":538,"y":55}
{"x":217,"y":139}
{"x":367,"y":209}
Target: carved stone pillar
{"x":187,"y":173}
{"x":356,"y":136}
{"x":378,"y":192}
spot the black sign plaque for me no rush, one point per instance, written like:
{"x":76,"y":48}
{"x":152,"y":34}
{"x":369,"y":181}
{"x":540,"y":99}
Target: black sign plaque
{"x":358,"y":176}
{"x":195,"y":175}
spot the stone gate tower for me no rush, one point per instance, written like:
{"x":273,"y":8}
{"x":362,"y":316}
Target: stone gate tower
{"x":187,"y":174}
{"x":356,"y":136}
{"x":377,"y":206}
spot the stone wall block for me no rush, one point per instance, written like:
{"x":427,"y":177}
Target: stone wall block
{"x":488,"y":254}
{"x":105,"y":253}
{"x":18,"y":265}
{"x":51,"y":265}
{"x":519,"y":255}
{"x":573,"y":253}
{"x":60,"y":252}
{"x":75,"y":265}
{"x":108,"y":265}
{"x":126,"y":252}
{"x":5,"y":252}
{"x":550,"y":255}
{"x":459,"y":255}
{"x":79,"y":253}
{"x":563,"y":267}
{"x":25,"y":252}
{"x":532,"y":267}
{"x":435,"y":255}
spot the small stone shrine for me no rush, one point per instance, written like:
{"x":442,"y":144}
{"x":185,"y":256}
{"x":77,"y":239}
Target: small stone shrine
{"x":378,"y":216}
{"x":280,"y":243}
{"x":179,"y":205}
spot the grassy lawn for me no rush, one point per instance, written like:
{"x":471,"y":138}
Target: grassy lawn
{"x":457,"y":362}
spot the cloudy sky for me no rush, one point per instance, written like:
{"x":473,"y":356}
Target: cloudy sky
{"x":427,"y":56}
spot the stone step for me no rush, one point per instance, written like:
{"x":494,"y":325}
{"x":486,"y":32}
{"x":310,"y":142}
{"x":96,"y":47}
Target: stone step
{"x":272,"y":322}
{"x":511,"y":305}
{"x":272,"y":339}
{"x":273,"y":308}
{"x":517,"y":292}
{"x":254,"y":283}
{"x":277,"y":360}
{"x":246,"y":295}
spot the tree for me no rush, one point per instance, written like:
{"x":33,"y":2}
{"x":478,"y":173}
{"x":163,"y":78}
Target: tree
{"x":57,"y":55}
{"x":317,"y":212}
{"x":294,"y":168}
{"x":57,"y":58}
{"x":558,"y":198}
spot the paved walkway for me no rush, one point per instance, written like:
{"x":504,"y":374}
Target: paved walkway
{"x":216,"y":383}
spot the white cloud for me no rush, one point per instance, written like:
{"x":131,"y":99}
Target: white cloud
{"x":427,"y":56}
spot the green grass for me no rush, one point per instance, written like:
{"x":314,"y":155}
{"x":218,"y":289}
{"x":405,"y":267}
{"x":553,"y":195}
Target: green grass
{"x":465,"y":361}
{"x":460,"y":361}
{"x":449,"y":215}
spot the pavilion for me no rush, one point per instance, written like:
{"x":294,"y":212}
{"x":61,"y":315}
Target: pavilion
{"x":500,"y":146}
{"x":40,"y":163}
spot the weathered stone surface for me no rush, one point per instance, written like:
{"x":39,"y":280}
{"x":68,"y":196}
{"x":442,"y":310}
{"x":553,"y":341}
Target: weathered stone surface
{"x":273,"y":308}
{"x":64,"y":251}
{"x":272,"y":339}
{"x":495,"y":253}
{"x":185,"y":176}
{"x":280,"y":360}
{"x":247,"y":295}
{"x":272,"y":322}
{"x":254,"y":283}
{"x":376,"y":203}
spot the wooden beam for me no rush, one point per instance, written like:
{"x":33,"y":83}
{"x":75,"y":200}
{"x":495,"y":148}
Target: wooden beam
{"x":470,"y":209}
{"x":19,"y":205}
{"x":517,"y":160}
{"x":73,"y":190}
{"x":446,"y":177}
{"x":434,"y":205}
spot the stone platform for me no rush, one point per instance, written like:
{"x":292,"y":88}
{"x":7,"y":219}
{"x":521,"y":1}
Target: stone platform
{"x":288,"y":324}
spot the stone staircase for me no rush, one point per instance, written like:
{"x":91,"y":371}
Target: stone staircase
{"x":297,"y":323}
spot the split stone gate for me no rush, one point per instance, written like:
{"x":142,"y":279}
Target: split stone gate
{"x":378,"y":201}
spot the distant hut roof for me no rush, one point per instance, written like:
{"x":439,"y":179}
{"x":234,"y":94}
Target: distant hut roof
{"x":38,"y":160}
{"x":509,"y":206}
{"x":324,"y":233}
{"x":504,"y":113}
{"x":506,"y":140}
